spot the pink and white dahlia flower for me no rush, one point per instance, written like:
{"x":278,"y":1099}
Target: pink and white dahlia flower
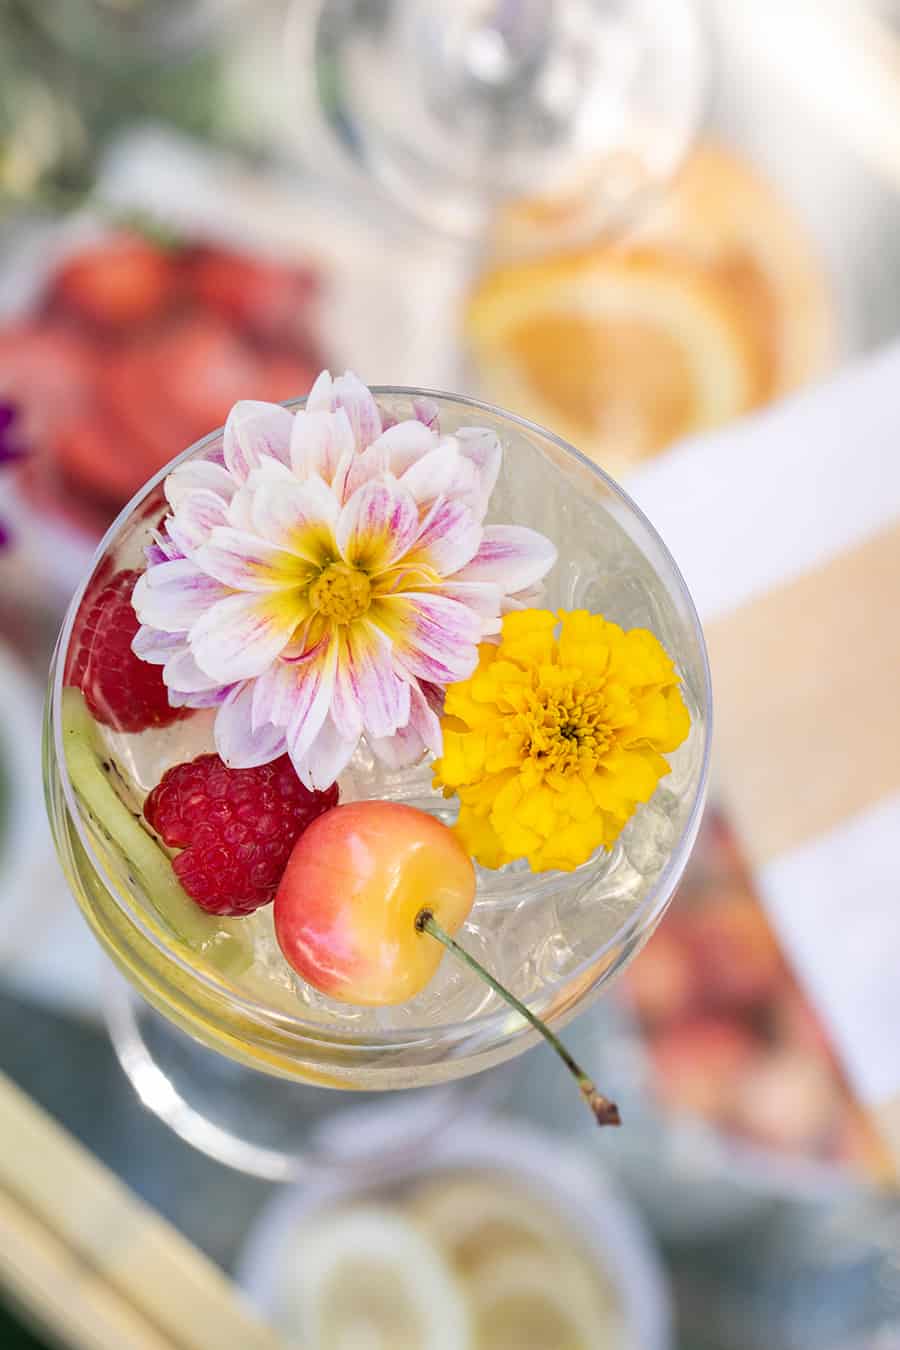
{"x":329,"y":578}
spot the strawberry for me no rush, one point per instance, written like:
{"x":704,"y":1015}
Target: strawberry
{"x":118,"y":283}
{"x":266,"y":298}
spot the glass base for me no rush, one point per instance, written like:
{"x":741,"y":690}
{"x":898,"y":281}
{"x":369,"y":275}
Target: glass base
{"x":267,"y":1126}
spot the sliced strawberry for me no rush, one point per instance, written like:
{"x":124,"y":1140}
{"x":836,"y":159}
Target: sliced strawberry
{"x":267,"y":299}
{"x":121,"y":282}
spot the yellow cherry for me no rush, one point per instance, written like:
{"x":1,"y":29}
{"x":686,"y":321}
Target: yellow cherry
{"x":358,"y":878}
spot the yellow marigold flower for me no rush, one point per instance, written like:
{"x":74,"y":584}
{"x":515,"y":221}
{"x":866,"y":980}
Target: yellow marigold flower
{"x":557,"y":736}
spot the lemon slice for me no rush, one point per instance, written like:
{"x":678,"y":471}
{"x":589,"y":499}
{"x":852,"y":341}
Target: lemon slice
{"x":620,"y":352}
{"x":368,"y":1279}
{"x":526,"y":1300}
{"x":723,"y":215}
{"x":473,"y":1218}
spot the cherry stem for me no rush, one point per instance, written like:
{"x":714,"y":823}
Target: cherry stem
{"x":605,"y":1111}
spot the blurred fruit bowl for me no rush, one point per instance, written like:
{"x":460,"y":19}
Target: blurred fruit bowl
{"x":129,"y":346}
{"x":497,"y":1237}
{"x":733,"y":1074}
{"x":712,"y":305}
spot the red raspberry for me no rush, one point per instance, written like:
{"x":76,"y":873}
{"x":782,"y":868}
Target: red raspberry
{"x":237,"y":828}
{"x":121,"y":691}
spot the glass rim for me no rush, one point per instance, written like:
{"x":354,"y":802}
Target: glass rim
{"x":489,"y":1025}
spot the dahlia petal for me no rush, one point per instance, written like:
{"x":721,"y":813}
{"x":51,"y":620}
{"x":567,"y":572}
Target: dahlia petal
{"x":255,"y":429}
{"x":403,"y":444}
{"x":449,"y":538}
{"x":482,"y":448}
{"x":425,"y":718}
{"x":319,"y":398}
{"x":426,"y":410}
{"x":360,"y":469}
{"x":173,"y":595}
{"x":240,"y":509}
{"x":247,"y":562}
{"x":400,"y":751}
{"x":326,"y":759}
{"x":526,"y":599}
{"x":484,"y":598}
{"x":319,"y":443}
{"x":510,"y":555}
{"x":198,"y":475}
{"x":155,"y":554}
{"x":149,"y":644}
{"x":195,"y":519}
{"x":442,"y":471}
{"x":204,"y":698}
{"x":367,"y":692}
{"x":181,"y":672}
{"x":238,"y":637}
{"x":377,"y":525}
{"x":238,"y":742}
{"x":347,"y":392}
{"x":310,"y":701}
{"x":298,"y":517}
{"x":274,"y":692}
{"x":435,"y":639}
{"x":351,"y":394}
{"x":166,"y":545}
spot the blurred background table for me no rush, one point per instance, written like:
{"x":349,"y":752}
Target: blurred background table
{"x":805,"y":1263}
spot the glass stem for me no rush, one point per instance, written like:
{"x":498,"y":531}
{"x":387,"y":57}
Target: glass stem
{"x":605,"y":1111}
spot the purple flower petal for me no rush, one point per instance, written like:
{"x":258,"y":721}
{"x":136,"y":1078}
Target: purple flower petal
{"x":312,"y":697}
{"x":402,"y":445}
{"x":377,"y":525}
{"x":237,"y":638}
{"x":254,"y":430}
{"x":207,"y":698}
{"x":484,"y":598}
{"x":326,"y":759}
{"x":320,"y":441}
{"x":511,"y":556}
{"x":409,"y":743}
{"x":172,"y":596}
{"x":425,"y":410}
{"x":150,"y":645}
{"x":443,"y":471}
{"x":482,"y":448}
{"x":367,"y":692}
{"x":449,"y":538}
{"x":181,"y":672}
{"x":435,"y":639}
{"x":298,"y":517}
{"x":195,"y":519}
{"x":247,"y":562}
{"x":348,"y":392}
{"x":238,"y":743}
{"x":198,"y":475}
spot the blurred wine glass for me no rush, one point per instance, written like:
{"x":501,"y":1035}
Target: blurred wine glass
{"x":459,"y":108}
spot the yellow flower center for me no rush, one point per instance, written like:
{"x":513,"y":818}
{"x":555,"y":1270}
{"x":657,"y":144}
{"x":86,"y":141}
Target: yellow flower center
{"x":566,"y":729}
{"x":341,"y":593}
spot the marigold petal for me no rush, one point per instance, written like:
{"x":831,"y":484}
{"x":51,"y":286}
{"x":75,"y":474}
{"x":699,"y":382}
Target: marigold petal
{"x":527,"y":636}
{"x":478,"y":838}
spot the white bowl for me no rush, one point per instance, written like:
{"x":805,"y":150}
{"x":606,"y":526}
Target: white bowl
{"x":568,"y":1179}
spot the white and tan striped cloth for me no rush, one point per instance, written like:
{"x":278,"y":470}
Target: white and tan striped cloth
{"x":787,"y":528}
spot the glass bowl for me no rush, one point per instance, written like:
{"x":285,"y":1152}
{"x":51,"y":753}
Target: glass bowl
{"x":556,"y":939}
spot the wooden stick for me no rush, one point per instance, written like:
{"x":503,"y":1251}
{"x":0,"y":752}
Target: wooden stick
{"x":77,"y":1244}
